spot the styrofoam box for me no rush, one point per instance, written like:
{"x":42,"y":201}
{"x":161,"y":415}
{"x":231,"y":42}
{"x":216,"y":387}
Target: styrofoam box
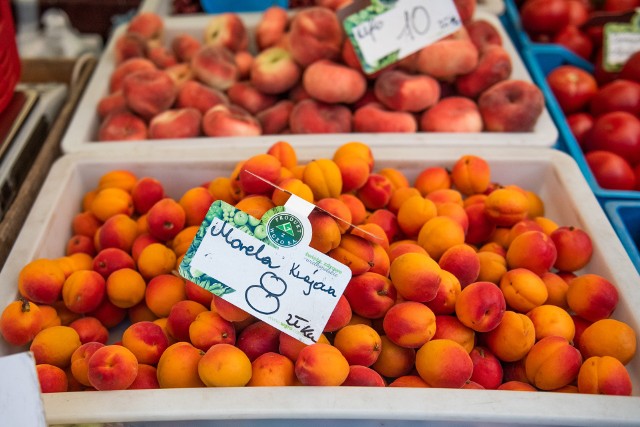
{"x":550,"y":173}
{"x":81,"y":134}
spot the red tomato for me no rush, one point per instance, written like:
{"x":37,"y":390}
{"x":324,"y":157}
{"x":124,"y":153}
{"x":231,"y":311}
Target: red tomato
{"x":544,"y":16}
{"x":578,"y":12}
{"x":611,"y":171}
{"x":573,"y":87}
{"x":631,"y":68}
{"x":618,"y":132}
{"x":575,"y":40}
{"x":620,"y":5}
{"x":636,"y":171}
{"x":619,"y":95}
{"x":580,"y":125}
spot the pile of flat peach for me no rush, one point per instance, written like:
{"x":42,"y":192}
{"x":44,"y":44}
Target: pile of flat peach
{"x":303,"y":76}
{"x":458,"y":281}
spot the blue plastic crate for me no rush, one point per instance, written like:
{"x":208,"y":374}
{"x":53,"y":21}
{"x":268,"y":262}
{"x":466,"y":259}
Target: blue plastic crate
{"x":625,"y":218}
{"x":541,"y":60}
{"x":239,"y":6}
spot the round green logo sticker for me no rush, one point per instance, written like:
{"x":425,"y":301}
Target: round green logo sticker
{"x":285,"y":229}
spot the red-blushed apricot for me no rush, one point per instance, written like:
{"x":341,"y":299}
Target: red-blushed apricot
{"x":415,"y":276}
{"x":463,"y":262}
{"x":166,"y":219}
{"x":355,"y":205}
{"x":399,"y":196}
{"x":363,"y":376}
{"x":512,"y":339}
{"x":370,"y":294}
{"x":552,"y":320}
{"x":604,"y":375}
{"x":516,"y":386}
{"x":592,"y":297}
{"x":258,"y":338}
{"x":372,"y":232}
{"x":359,"y":344}
{"x":409,"y":381}
{"x":224,"y":365}
{"x":290,"y":347}
{"x":556,"y":289}
{"x":272,"y":370}
{"x":108,"y":314}
{"x":41,"y":281}
{"x":520,"y":227}
{"x":506,"y":206}
{"x":608,"y":337}
{"x":354,"y":172}
{"x":354,"y":252}
{"x":284,"y":151}
{"x":178,"y":366}
{"x":376,"y":192}
{"x":325,"y":234}
{"x":439,"y":234}
{"x":480,"y":227}
{"x":147,"y":378}
{"x":552,"y":363}
{"x":394,"y":361}
{"x":208,"y":329}
{"x":355,"y":149}
{"x":448,"y":291}
{"x":471,"y":174}
{"x":80,"y":361}
{"x":492,"y":267}
{"x":487,"y":368}
{"x":181,"y":316}
{"x":51,"y":378}
{"x":146,"y":340}
{"x":321,"y":365}
{"x":431,"y":179}
{"x":444,"y":363}
{"x":574,"y":248}
{"x":20,"y":322}
{"x":481,"y":306}
{"x":112,"y":367}
{"x":409,"y":324}
{"x":387,"y":220}
{"x":532,"y":250}
{"x":90,"y":329}
{"x":163,"y":292}
{"x":340,"y":316}
{"x":523,"y":290}
{"x":449,"y":327}
{"x":400,"y":247}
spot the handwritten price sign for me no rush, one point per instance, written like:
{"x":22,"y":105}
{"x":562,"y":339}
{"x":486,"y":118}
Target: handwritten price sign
{"x":383,"y":34}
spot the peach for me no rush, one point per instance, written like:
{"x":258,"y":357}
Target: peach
{"x":215,"y":66}
{"x":122,"y":126}
{"x":272,"y":27}
{"x":90,"y":329}
{"x":209,"y":328}
{"x":370,"y":295}
{"x":321,"y":365}
{"x":359,"y":344}
{"x":415,"y":276}
{"x":311,"y":116}
{"x":340,"y":316}
{"x":409,"y":324}
{"x":245,"y":95}
{"x":227,"y":30}
{"x":129,"y":46}
{"x":233,"y":120}
{"x":604,"y":375}
{"x":163,"y":292}
{"x":55,"y":345}
{"x":394,"y":361}
{"x":445,"y":300}
{"x":487,"y":368}
{"x":439,"y":234}
{"x":148,"y":25}
{"x":592,"y":297}
{"x":51,"y":378}
{"x":483,"y":34}
{"x":512,"y":339}
{"x":532,"y":250}
{"x":149,"y":92}
{"x":432,"y":368}
{"x":196,"y":95}
{"x":315,"y":34}
{"x":176,"y":123}
{"x":608,"y":337}
{"x":511,"y":106}
{"x":181,"y":316}
{"x":272,"y":370}
{"x":41,"y":281}
{"x":258,"y":338}
{"x":494,"y":65}
{"x":118,"y":231}
{"x":552,"y":320}
{"x":400,"y":91}
{"x":481,"y":306}
{"x":574,"y":248}
{"x":126,"y":68}
{"x":184,"y":46}
{"x":552,"y":363}
{"x":146,"y":340}
{"x":20,"y":322}
{"x":523,"y":289}
{"x":452,"y":114}
{"x":146,"y":379}
{"x":244,"y":60}
{"x":275,"y":119}
{"x":111,"y":103}
{"x":447,"y":58}
{"x":178,"y":366}
{"x":162,"y":56}
{"x":463,"y":262}
{"x":181,"y":74}
{"x":274,"y":71}
{"x":363,"y":376}
{"x":374,"y":117}
{"x":333,"y":83}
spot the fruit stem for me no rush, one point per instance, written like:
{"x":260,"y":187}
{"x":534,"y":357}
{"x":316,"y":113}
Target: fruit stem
{"x":26,"y":307}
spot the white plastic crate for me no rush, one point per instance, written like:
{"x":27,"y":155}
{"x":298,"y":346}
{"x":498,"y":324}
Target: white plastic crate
{"x":82,"y":132}
{"x":550,"y":173}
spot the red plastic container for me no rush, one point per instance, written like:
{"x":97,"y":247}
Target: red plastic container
{"x":9,"y":59}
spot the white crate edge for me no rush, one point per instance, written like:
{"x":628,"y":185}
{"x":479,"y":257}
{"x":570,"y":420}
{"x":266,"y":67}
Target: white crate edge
{"x":462,"y":407}
{"x":82,"y":129}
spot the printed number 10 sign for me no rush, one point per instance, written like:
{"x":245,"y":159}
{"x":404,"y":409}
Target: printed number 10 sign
{"x":387,"y":31}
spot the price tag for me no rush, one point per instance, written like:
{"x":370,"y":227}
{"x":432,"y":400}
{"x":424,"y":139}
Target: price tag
{"x":20,"y":398}
{"x":387,"y":31}
{"x":266,"y":267}
{"x":621,"y":40}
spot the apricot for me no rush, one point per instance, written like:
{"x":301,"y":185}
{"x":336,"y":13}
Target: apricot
{"x":163,"y":292}
{"x":357,"y":208}
{"x":444,"y":363}
{"x":532,"y":250}
{"x":400,"y":247}
{"x":413,"y":213}
{"x":370,"y":295}
{"x":506,"y":206}
{"x":293,"y":186}
{"x":448,"y":291}
{"x":523,"y":289}
{"x":272,"y":370}
{"x":41,"y":281}
{"x":90,"y":329}
{"x":118,"y":231}
{"x":111,"y":201}
{"x":323,"y":177}
{"x":355,"y":150}
{"x":224,"y":365}
{"x":431,"y":179}
{"x":552,"y":320}
{"x":340,"y":316}
{"x":285,"y":153}
{"x":409,"y":381}
{"x":394,"y":360}
{"x":409,"y":324}
{"x":326,"y":234}
{"x":376,"y":192}
{"x":415,"y":276}
{"x":55,"y":345}
{"x":556,"y":289}
{"x":439,"y":234}
{"x":181,"y":243}
{"x":592,"y":297}
{"x":255,"y":205}
{"x":354,"y":252}
{"x":181,"y":316}
{"x":265,"y":166}
{"x":146,"y":340}
{"x":552,"y":363}
{"x":608,"y":337}
{"x":492,"y":267}
{"x":51,"y":378}
{"x":156,"y":259}
{"x":112,"y":367}
{"x":290,"y":347}
{"x":604,"y":375}
{"x":359,"y":344}
{"x":228,"y":311}
{"x":166,"y":219}
{"x":512,"y":339}
{"x":209,"y":329}
{"x":20,"y":322}
{"x":321,"y":365}
{"x":80,"y":361}
{"x":481,"y":306}
{"x":83,"y":291}
{"x":471,"y":174}
{"x":195,"y":202}
{"x":363,"y":376}
{"x":399,"y":196}
{"x":178,"y":366}
{"x":354,"y":172}
{"x":220,"y":188}
{"x":146,"y":379}
{"x":463,"y":262}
